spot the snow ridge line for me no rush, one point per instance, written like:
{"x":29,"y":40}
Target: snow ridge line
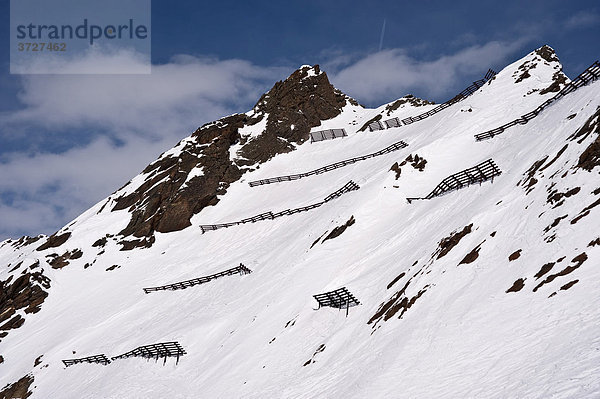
{"x":394,"y":147}
{"x":350,"y":186}
{"x":241,"y":269}
{"x":396,"y":122}
{"x":588,"y":76}
{"x":479,"y":173}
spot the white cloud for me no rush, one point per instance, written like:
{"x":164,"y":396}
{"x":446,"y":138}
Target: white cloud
{"x":183,"y":91}
{"x":146,"y":114}
{"x":582,"y":20}
{"x":391,"y":73}
{"x":49,"y":189}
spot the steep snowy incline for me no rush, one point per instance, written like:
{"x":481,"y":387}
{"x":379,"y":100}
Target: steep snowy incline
{"x":489,"y":291}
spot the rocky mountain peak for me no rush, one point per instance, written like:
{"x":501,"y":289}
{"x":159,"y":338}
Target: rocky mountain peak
{"x":185,"y":180}
{"x":539,"y":62}
{"x":294,"y":106}
{"x":547,"y":53}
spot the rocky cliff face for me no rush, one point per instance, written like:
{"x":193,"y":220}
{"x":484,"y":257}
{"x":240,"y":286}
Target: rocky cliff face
{"x":179,"y":185}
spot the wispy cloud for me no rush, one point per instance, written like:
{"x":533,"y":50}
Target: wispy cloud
{"x":134,"y":118}
{"x":391,"y":73}
{"x":583,"y":20}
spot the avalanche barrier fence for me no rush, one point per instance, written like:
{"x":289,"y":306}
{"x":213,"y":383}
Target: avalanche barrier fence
{"x":350,"y":186}
{"x":396,"y":122}
{"x":340,"y":299}
{"x":484,"y":171}
{"x":328,"y":134}
{"x":101,"y":359}
{"x":157,"y":351}
{"x":241,"y":269}
{"x":586,"y":77}
{"x":394,"y":147}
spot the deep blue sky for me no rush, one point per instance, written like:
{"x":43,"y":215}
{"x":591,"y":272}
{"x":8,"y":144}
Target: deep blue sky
{"x":67,"y":142}
{"x":297,"y":32}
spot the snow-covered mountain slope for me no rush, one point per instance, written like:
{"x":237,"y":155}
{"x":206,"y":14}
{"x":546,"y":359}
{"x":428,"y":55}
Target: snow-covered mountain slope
{"x":487,"y":291}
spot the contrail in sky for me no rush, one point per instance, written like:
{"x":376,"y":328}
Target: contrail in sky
{"x":382,"y":34}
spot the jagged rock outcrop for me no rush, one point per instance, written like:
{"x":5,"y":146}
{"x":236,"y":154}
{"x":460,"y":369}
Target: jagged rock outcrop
{"x":546,"y":55}
{"x":173,"y":192}
{"x":25,"y":292}
{"x":293,"y":107}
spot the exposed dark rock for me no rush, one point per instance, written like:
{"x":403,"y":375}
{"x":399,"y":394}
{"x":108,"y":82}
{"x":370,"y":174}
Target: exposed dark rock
{"x":399,"y":302}
{"x":100,"y":242}
{"x":471,"y":256}
{"x":558,"y":154}
{"x":543,"y":54}
{"x":338,"y":230}
{"x":554,"y":223}
{"x":417,"y":162}
{"x":18,"y":390}
{"x":578,"y":260}
{"x":590,"y":126}
{"x":515,"y":255}
{"x":569,"y":285}
{"x":585,"y":211}
{"x":395,"y":280}
{"x":517,"y":286}
{"x":26,"y":292}
{"x":318,"y":239}
{"x":547,"y":53}
{"x":54,"y":241}
{"x":128,"y":245}
{"x":25,"y":241}
{"x":58,"y":262}
{"x":367,"y":123}
{"x":113,"y":267}
{"x":320,"y":349}
{"x":545,"y":269}
{"x":164,"y":204}
{"x":524,"y":69}
{"x":159,"y":204}
{"x":447,"y":243}
{"x":595,"y":242}
{"x":559,"y":80}
{"x":557,"y":199}
{"x":396,"y":168}
{"x":590,"y":157}
{"x":13,"y":323}
{"x":17,"y":266}
{"x":408,"y":99}
{"x":530,"y":181}
{"x":302,"y":101}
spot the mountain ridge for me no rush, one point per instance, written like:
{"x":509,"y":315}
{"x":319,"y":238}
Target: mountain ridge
{"x":457,"y":293}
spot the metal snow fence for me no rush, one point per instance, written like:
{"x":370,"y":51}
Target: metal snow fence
{"x":591,"y":74}
{"x":484,"y":171}
{"x":328,"y":134}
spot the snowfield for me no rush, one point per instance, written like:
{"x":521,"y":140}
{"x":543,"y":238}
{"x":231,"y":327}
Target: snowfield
{"x":460,"y":334}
